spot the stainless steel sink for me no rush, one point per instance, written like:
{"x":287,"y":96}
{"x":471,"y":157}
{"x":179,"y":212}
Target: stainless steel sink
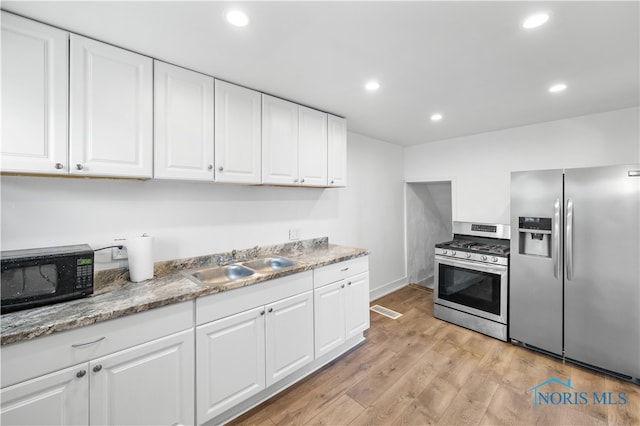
{"x":270,"y":264}
{"x":222,"y":274}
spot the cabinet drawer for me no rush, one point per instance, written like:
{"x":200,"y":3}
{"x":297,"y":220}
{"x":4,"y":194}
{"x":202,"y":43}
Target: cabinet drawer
{"x":338,"y":271}
{"x":220,"y":305}
{"x":32,"y":358}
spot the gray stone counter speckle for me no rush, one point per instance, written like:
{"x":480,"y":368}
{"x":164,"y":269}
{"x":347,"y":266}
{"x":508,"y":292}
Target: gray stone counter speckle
{"x":116,"y":297}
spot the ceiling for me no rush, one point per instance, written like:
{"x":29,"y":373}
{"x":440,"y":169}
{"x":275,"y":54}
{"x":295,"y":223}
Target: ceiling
{"x":471,"y":61}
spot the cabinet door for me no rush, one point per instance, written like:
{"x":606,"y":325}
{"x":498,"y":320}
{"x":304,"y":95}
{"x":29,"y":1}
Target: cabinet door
{"x":289,"y":339}
{"x":58,"y":398}
{"x":34,"y":97}
{"x":230,"y":362}
{"x":148,"y":384}
{"x":337,"y":145}
{"x":238,"y":140}
{"x":111,"y":110}
{"x":329,"y":303}
{"x":312,"y":147}
{"x":183,"y":123}
{"x":357,"y":304}
{"x":279,"y":141}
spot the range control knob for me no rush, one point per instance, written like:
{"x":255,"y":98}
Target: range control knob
{"x":468,"y":255}
{"x":494,"y":259}
{"x":484,"y":257}
{"x":444,"y":252}
{"x":453,"y":253}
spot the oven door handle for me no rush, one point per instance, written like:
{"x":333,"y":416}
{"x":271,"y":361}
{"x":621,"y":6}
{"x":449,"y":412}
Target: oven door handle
{"x":472,"y":265}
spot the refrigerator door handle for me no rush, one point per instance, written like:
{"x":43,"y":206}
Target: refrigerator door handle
{"x":556,"y":238}
{"x":569,"y":240}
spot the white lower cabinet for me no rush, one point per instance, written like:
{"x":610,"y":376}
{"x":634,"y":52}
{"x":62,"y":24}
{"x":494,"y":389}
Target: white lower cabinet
{"x":58,"y":398}
{"x":230,"y":362}
{"x":150,"y":384}
{"x":105,"y":379}
{"x":241,"y":354}
{"x":289,"y":336}
{"x":341,"y":300}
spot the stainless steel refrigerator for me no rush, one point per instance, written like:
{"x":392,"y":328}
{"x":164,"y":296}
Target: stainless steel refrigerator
{"x":575,"y":265}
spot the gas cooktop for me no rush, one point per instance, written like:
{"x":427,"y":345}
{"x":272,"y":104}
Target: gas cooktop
{"x":490,"y":248}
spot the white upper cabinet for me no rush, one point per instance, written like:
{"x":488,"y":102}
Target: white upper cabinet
{"x":34,"y":97}
{"x":183,"y":123}
{"x":237,"y":134}
{"x":279,"y":141}
{"x":111,"y":111}
{"x":312,"y":147}
{"x":294,"y":144}
{"x":337,"y":161}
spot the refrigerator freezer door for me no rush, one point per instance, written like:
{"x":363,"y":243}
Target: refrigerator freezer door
{"x":602,"y":290}
{"x":535,"y":289}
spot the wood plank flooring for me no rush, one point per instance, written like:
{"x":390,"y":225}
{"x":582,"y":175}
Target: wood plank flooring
{"x":418,"y":370}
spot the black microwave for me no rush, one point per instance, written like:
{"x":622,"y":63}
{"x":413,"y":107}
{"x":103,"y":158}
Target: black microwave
{"x":35,"y":277}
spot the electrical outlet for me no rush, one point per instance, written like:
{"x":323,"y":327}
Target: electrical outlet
{"x":117,"y":253}
{"x":294,"y":234}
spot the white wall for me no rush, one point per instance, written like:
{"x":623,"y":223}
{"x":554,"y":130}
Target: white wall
{"x":189,"y":219}
{"x":480,"y":165}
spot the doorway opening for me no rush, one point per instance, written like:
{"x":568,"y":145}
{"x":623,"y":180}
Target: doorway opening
{"x":429,"y":218}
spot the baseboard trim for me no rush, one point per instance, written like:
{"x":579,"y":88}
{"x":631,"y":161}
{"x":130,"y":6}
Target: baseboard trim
{"x":387,"y":288}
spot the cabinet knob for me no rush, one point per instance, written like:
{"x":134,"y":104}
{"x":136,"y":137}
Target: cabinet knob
{"x":262,"y":313}
{"x":220,"y":168}
{"x":79,"y":166}
{"x":59,"y":166}
{"x":97,"y":368}
{"x":81,"y":373}
{"x":295,"y":181}
{"x":342,"y":286}
{"x":332,"y":181}
{"x":270,"y":309}
{"x":210,"y":167}
{"x":349,"y":283}
{"x":302,"y":180}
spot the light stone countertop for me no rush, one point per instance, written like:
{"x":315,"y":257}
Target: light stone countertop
{"x":114,"y":296}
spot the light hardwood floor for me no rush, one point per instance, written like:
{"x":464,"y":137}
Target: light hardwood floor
{"x":418,"y":370}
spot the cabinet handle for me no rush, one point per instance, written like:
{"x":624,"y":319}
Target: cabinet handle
{"x":97,"y":368}
{"x":270,"y":309}
{"x":295,"y":181}
{"x":81,"y":373}
{"x":332,"y":181}
{"x":59,"y":166}
{"x":210,"y":167}
{"x":349,"y":283}
{"x":79,"y":166}
{"x":302,"y":180}
{"x":79,"y":345}
{"x":262,"y":313}
{"x":342,"y":286}
{"x":221,"y":168}
{"x":345,"y":269}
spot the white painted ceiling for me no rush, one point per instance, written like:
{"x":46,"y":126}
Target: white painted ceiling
{"x":472,"y":61}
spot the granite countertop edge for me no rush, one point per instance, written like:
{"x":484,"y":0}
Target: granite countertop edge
{"x":131,"y":298}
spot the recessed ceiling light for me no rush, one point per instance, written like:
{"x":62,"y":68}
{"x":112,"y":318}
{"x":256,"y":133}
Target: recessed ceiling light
{"x":372,"y":85}
{"x":557,"y":88}
{"x":535,"y":21}
{"x":436,"y":117}
{"x":237,"y":18}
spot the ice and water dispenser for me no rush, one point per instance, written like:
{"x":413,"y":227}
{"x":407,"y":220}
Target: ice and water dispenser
{"x":534,"y":236}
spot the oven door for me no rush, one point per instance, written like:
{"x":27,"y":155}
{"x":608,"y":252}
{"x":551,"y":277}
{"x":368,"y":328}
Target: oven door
{"x":476,"y":288}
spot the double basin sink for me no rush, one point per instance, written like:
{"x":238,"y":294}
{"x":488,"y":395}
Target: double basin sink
{"x":221,"y":275}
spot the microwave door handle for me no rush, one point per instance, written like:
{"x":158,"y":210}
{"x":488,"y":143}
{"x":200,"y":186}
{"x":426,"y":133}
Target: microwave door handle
{"x":569,"y":240}
{"x":556,"y":238}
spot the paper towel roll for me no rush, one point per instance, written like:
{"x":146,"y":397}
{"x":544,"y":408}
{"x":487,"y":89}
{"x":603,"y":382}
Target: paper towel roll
{"x":140,"y":251}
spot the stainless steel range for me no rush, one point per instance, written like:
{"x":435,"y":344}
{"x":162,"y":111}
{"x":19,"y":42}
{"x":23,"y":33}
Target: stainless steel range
{"x":472,"y":278}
